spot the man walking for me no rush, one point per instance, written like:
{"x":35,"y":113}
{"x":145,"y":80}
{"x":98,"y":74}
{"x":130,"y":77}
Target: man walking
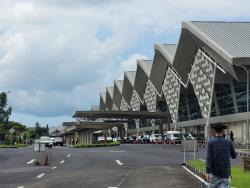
{"x":218,"y":167}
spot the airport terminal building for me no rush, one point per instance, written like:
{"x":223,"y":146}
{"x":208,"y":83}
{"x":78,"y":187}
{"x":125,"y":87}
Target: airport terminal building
{"x":199,"y":81}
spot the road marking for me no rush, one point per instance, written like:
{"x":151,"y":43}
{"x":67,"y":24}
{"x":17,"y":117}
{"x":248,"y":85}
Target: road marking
{"x":31,"y":161}
{"x":68,"y":155}
{"x":116,"y":151}
{"x":202,"y":160}
{"x":118,"y":162}
{"x":62,"y":161}
{"x":20,"y":187}
{"x":54,"y":167}
{"x":40,"y":175}
{"x":122,"y":180}
{"x":199,"y":178}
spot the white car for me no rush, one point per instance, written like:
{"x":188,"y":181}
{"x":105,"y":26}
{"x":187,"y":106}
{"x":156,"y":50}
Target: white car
{"x":155,"y":137}
{"x":100,"y":139}
{"x":175,"y":136}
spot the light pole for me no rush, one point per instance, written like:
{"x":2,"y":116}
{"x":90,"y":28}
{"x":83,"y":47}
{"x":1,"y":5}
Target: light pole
{"x":247,"y":134}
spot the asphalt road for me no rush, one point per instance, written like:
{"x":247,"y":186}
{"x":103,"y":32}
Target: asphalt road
{"x":125,"y":166}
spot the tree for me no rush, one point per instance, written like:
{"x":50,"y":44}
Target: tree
{"x":5,"y":110}
{"x":38,"y":130}
{"x":47,"y":130}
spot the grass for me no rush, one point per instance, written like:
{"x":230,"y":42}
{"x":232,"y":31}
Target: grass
{"x":97,"y":145}
{"x":12,"y":146}
{"x":241,"y":179}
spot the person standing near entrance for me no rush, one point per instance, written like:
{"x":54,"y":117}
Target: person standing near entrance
{"x":219,"y":152}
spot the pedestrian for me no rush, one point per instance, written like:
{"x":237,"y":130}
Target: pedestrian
{"x":231,"y":136}
{"x":218,"y":167}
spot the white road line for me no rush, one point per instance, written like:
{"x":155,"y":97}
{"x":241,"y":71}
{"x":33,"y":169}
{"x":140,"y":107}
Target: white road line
{"x":202,"y":160}
{"x":112,"y":187}
{"x":199,"y":178}
{"x":31,"y":161}
{"x":20,"y":187}
{"x":54,"y":167}
{"x":68,"y":155}
{"x":40,"y":175}
{"x":118,"y":162}
{"x":116,"y":151}
{"x":62,"y":161}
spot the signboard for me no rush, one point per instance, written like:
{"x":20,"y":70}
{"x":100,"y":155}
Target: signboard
{"x":189,"y":146}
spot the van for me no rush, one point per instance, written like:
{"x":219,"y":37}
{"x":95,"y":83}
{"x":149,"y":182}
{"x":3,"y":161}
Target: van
{"x":47,"y":141}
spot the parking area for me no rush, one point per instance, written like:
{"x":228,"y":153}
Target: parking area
{"x":128,"y":165}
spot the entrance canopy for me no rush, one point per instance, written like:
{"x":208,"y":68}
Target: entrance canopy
{"x":121,"y":115}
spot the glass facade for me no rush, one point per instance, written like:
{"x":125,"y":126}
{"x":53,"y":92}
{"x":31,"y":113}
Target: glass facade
{"x":224,"y":99}
{"x":223,"y":102}
{"x":241,"y":96}
{"x":195,"y":112}
{"x":183,"y":110}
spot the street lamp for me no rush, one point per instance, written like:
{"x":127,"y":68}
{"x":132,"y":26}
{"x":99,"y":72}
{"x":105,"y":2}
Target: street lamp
{"x":247,"y":71}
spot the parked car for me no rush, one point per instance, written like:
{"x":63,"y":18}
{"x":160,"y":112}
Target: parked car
{"x":101,"y":139}
{"x":139,"y":139}
{"x":146,"y":139}
{"x":188,"y":136}
{"x":129,"y":140}
{"x":117,"y":139}
{"x":155,"y":138}
{"x":175,"y":136}
{"x":166,"y":138}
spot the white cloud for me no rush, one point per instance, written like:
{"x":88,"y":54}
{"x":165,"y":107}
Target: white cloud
{"x":130,"y":63}
{"x":56,"y":56}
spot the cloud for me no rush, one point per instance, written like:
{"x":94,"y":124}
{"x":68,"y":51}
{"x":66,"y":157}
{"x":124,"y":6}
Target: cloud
{"x":56,"y":56}
{"x":130,"y":63}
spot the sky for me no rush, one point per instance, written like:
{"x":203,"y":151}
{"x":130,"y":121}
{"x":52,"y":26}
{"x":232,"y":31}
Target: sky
{"x":56,"y":56}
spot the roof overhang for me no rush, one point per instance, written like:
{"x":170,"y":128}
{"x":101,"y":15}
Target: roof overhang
{"x":191,"y":39}
{"x":109,"y":97}
{"x":141,"y":78}
{"x":128,"y":85}
{"x":117,"y":95}
{"x":162,"y":59}
{"x":103,"y":101}
{"x":121,"y":115}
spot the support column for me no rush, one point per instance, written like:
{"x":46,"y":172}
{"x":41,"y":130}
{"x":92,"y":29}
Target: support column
{"x":126,"y":129}
{"x":208,"y":129}
{"x":244,"y":130}
{"x":153,"y":125}
{"x":137,"y":123}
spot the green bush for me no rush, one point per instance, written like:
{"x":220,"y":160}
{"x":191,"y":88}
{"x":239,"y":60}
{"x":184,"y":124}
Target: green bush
{"x":12,"y":146}
{"x":97,"y":145}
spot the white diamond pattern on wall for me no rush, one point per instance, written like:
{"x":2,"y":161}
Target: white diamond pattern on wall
{"x":124,"y":105}
{"x":171,"y":90}
{"x":135,"y":102}
{"x":202,"y":77}
{"x":114,"y":108}
{"x":150,"y":97}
